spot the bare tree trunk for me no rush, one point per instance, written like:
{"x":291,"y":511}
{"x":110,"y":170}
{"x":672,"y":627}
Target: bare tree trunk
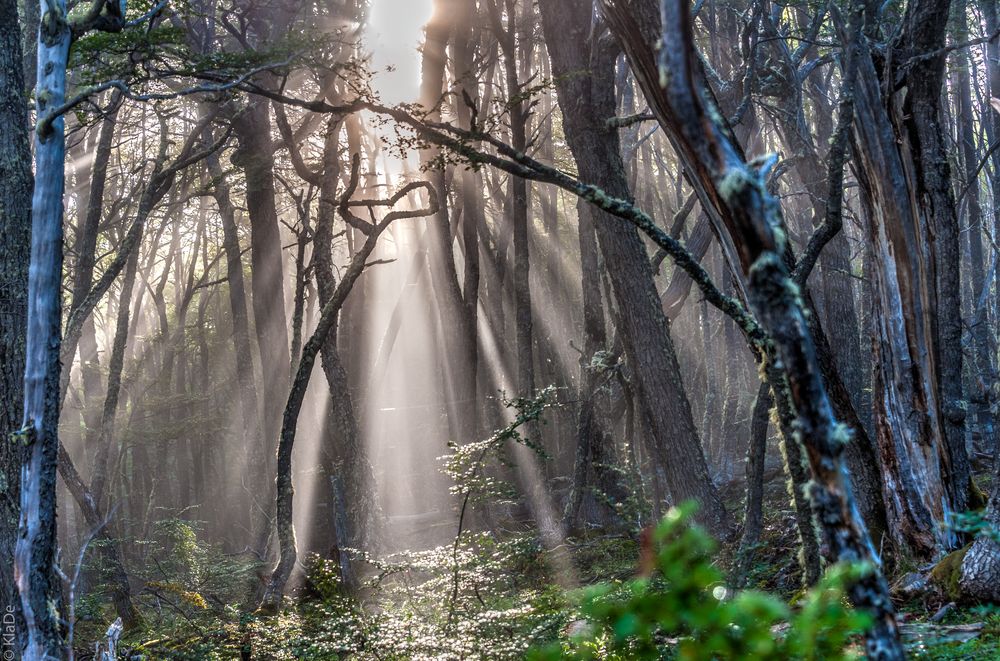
{"x":34,"y":554}
{"x":470,"y":189}
{"x":441,"y":256}
{"x":698,"y":131}
{"x":275,"y":589}
{"x":595,"y":482}
{"x":587,"y":102}
{"x":636,"y":33}
{"x":905,"y":182}
{"x":753,"y":519}
{"x":984,"y":372}
{"x":83,"y":274}
{"x":256,"y":157}
{"x":356,"y":507}
{"x":253,"y":431}
{"x":15,"y":227}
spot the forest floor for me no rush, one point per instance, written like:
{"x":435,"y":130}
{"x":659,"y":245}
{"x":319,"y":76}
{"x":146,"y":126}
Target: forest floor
{"x":511,"y":597}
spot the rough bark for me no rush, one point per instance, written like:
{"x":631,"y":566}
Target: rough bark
{"x":34,"y":553}
{"x":15,"y":227}
{"x":255,"y":157}
{"x":753,"y":216}
{"x":636,"y":32}
{"x":980,"y":570}
{"x":753,"y":518}
{"x":587,"y":102}
{"x":596,"y":485}
{"x":905,"y":183}
{"x":984,"y":372}
{"x":83,"y":273}
{"x":356,"y":506}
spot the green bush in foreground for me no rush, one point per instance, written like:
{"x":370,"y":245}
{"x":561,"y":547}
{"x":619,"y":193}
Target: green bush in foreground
{"x":684,"y":611}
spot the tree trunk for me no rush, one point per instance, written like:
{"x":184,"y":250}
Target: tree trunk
{"x":256,"y":157}
{"x":596,"y":485}
{"x":351,"y":467}
{"x":905,"y":183}
{"x":587,"y":102}
{"x":249,"y":407}
{"x":753,"y":519}
{"x":34,"y":555}
{"x":275,"y":589}
{"x":15,"y":227}
{"x":441,"y":256}
{"x":470,"y":189}
{"x":695,"y":125}
{"x":984,"y":372}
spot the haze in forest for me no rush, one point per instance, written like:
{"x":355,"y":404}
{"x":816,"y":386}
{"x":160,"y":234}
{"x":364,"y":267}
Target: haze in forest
{"x":499,"y":329}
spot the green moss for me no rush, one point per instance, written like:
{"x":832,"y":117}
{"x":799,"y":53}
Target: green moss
{"x":977,"y":497}
{"x":946,"y":573}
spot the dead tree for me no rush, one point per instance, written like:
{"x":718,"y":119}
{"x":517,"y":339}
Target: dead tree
{"x":753,"y":218}
{"x":902,"y":168}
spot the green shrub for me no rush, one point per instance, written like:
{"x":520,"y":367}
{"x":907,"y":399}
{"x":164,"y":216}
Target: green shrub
{"x":684,"y":610}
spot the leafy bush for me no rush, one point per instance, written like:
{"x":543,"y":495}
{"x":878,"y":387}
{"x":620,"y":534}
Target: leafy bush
{"x":684,"y":609}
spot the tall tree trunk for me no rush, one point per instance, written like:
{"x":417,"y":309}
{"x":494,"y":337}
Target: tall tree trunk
{"x":275,"y":588}
{"x":15,"y":227}
{"x":517,"y":200}
{"x":253,"y":432}
{"x":34,"y":554}
{"x":636,"y":30}
{"x":83,"y":274}
{"x":984,"y":368}
{"x":470,"y":189}
{"x":356,"y":509}
{"x":596,"y":485}
{"x":444,"y":276}
{"x":753,"y":217}
{"x":256,"y":157}
{"x":587,"y":102}
{"x":905,"y":183}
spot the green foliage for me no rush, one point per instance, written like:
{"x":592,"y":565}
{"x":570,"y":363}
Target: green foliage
{"x":684,"y":608}
{"x":466,"y":464}
{"x":975,"y":524}
{"x":508,"y":605}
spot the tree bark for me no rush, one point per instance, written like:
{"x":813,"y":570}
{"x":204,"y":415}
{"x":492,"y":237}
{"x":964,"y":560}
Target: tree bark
{"x":596,"y":485}
{"x":441,"y":255}
{"x":34,"y":553}
{"x":356,"y":507}
{"x":255,"y":157}
{"x":984,"y":372}
{"x":15,"y":227}
{"x":256,"y":442}
{"x":587,"y":102}
{"x":752,"y":216}
{"x":905,"y":183}
{"x":275,"y":589}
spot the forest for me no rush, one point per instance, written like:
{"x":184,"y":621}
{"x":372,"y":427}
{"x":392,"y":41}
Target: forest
{"x":499,"y":329}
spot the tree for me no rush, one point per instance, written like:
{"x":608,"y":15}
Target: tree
{"x":905,"y":179}
{"x":15,"y":219}
{"x":587,"y":103}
